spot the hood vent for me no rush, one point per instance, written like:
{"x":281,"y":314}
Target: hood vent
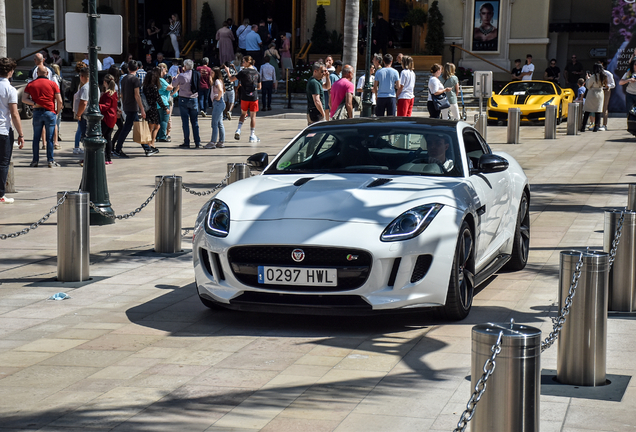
{"x":302,"y":181}
{"x":379,"y":182}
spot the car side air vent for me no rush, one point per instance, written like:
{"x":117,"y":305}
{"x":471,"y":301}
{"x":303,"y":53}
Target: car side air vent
{"x":302,"y":181}
{"x":379,"y":182}
{"x":422,"y":264}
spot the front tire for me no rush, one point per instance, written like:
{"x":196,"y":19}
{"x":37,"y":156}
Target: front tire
{"x":459,"y":299}
{"x":521,"y":245}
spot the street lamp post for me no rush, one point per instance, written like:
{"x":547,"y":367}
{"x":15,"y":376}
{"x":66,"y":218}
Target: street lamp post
{"x":94,"y":174}
{"x":366,"y":94}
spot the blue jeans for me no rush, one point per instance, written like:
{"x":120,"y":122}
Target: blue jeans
{"x":188,"y":111}
{"x":204,"y":99}
{"x":217,"y":120}
{"x":6,"y":148}
{"x":131,"y":118}
{"x":385,"y":104}
{"x":164,"y":117}
{"x":46,"y":119}
{"x":80,"y":133}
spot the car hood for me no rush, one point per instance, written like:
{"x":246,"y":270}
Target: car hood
{"x":336,"y":197}
{"x":523,"y":99}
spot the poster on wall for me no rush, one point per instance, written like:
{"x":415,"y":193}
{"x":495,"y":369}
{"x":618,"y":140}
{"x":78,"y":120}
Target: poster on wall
{"x":622,"y":41}
{"x":486,"y":26}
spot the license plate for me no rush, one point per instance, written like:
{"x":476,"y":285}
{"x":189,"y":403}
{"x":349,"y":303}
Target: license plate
{"x":297,"y":276}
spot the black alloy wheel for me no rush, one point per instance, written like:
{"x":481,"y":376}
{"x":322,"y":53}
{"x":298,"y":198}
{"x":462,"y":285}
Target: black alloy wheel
{"x":461,"y":286}
{"x":521,"y":245}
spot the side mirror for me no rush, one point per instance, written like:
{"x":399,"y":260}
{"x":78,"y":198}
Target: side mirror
{"x":492,"y":163}
{"x":258,"y":161}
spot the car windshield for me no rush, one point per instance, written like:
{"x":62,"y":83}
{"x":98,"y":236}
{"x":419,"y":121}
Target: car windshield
{"x":414,"y":150}
{"x":528,"y":88}
{"x":20,"y":75}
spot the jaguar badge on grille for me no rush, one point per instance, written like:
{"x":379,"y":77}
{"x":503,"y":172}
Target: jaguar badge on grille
{"x":298,"y":255}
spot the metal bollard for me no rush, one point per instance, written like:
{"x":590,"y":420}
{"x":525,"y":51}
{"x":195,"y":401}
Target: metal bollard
{"x":481,"y":124}
{"x":622,"y":276}
{"x":9,"y":187}
{"x":514,"y":120}
{"x":73,"y":229}
{"x":581,"y":351}
{"x":241,"y":171}
{"x":550,"y":122}
{"x":168,"y":215}
{"x":511,"y":400}
{"x":574,"y":118}
{"x":631,"y":197}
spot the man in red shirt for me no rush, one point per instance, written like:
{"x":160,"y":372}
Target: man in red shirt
{"x":44,"y":95}
{"x":204,"y":86}
{"x":342,"y":90}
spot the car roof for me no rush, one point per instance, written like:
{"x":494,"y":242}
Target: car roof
{"x":385,"y":121}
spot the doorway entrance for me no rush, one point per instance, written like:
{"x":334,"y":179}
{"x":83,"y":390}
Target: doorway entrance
{"x":280,"y":10}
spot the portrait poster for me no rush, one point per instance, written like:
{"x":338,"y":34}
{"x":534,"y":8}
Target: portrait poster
{"x":622,"y":41}
{"x":486,"y":26}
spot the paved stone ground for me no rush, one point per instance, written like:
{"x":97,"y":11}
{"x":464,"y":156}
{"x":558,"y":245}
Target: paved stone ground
{"x":135,"y":350}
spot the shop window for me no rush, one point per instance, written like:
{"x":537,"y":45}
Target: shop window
{"x":43,"y":20}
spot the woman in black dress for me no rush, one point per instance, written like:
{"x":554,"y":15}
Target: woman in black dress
{"x":152,"y":34}
{"x":151,"y":91}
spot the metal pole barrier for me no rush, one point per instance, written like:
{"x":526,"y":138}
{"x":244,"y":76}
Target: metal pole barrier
{"x":514,"y":120}
{"x":287,"y":91}
{"x":581,"y":351}
{"x":550,"y":122}
{"x":73,"y":229}
{"x":168,"y":215}
{"x":481,"y":122}
{"x":622,"y":276}
{"x":511,"y":401}
{"x":574,"y":118}
{"x":241,"y":171}
{"x":631,"y":197}
{"x":9,"y":187}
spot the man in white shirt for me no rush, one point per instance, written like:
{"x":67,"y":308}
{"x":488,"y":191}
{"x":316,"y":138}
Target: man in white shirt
{"x":38,"y":59}
{"x":528,"y":69}
{"x":85,"y":61}
{"x":8,"y":113}
{"x":268,"y":82}
{"x":607,"y":92}
{"x":108,"y":62}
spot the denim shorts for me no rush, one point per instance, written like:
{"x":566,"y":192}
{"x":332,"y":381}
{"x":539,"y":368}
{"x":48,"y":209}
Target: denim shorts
{"x":228,"y":97}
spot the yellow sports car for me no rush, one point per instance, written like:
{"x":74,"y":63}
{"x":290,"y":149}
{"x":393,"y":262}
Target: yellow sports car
{"x":531,"y":97}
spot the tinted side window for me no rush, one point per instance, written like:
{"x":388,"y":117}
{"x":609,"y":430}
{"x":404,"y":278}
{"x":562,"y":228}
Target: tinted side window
{"x":473,"y":147}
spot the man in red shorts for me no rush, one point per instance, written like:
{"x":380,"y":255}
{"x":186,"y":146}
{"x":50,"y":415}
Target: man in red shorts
{"x":250,"y":81}
{"x":44,"y":95}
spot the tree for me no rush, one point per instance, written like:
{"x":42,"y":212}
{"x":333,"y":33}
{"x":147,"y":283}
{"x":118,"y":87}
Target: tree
{"x":350,"y":50}
{"x":207,"y":27}
{"x":320,"y":36}
{"x":435,"y":34}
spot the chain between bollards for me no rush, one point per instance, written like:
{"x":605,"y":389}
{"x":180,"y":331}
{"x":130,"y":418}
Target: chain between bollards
{"x":134,"y":212}
{"x":214,"y":189}
{"x":617,"y":239}
{"x":480,"y":387}
{"x":560,"y":320}
{"x":38,"y":223}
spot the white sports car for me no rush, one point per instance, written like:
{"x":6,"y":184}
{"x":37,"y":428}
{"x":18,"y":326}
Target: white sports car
{"x":365,"y":215}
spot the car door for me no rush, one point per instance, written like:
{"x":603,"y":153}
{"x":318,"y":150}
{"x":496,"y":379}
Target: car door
{"x":492,"y":190}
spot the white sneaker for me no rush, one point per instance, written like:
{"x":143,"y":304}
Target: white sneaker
{"x":237,"y":135}
{"x":602,"y":128}
{"x":6,"y":200}
{"x":254,"y":138}
{"x":78,"y":150}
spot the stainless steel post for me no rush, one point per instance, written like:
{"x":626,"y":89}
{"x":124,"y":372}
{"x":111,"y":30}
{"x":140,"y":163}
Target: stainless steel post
{"x":514,"y":120}
{"x":550,"y":122}
{"x":574,"y":118}
{"x":73,"y":228}
{"x":622,"y":277}
{"x":481,"y":125}
{"x":241,"y":171}
{"x":168,"y":215}
{"x":9,"y":186}
{"x":511,"y":400}
{"x":581,"y":351}
{"x":631,"y":197}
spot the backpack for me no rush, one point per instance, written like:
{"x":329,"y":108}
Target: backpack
{"x":194,"y":81}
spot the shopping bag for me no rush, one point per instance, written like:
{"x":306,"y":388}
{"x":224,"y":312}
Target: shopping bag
{"x":141,"y":132}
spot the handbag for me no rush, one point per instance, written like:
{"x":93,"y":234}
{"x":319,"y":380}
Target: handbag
{"x":141,"y":132}
{"x":441,"y":102}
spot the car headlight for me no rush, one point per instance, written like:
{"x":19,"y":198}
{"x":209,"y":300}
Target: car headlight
{"x":547,"y":103}
{"x":410,"y":223}
{"x":493,"y":103}
{"x":218,"y":219}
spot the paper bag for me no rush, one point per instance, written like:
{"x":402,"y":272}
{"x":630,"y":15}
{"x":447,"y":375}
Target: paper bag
{"x":141,"y":132}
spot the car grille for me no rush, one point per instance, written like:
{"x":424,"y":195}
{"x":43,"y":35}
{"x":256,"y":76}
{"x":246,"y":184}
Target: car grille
{"x":498,"y":115}
{"x":352,"y":273}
